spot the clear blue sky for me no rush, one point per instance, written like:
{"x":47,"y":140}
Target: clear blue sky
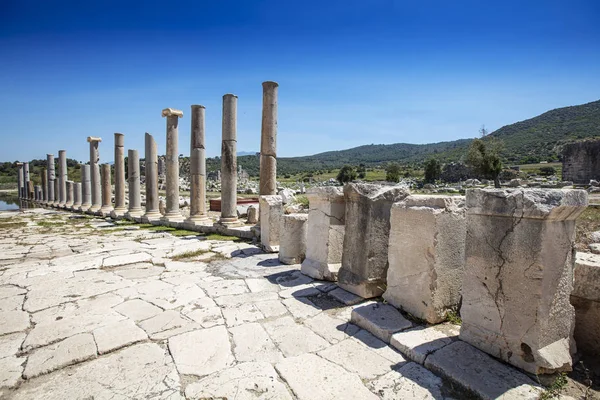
{"x":350,"y":72}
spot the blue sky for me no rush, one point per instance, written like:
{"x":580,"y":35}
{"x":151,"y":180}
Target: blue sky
{"x":350,"y":72}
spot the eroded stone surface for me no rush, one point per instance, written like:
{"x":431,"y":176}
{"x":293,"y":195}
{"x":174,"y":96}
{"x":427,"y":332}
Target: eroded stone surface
{"x":382,"y":320}
{"x":201,"y":352}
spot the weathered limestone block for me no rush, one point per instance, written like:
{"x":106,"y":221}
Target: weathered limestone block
{"x":586,"y":300}
{"x":325,"y":233}
{"x":519,"y":275}
{"x":271,"y":211}
{"x":426,"y":255}
{"x":292,"y":241}
{"x":365,"y":256}
{"x":252,"y":215}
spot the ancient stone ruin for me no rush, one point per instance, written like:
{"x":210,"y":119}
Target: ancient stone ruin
{"x":581,"y":161}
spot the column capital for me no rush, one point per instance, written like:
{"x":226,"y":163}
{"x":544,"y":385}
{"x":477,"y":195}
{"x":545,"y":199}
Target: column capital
{"x":270,"y":84}
{"x":169,"y":112}
{"x":197,"y":106}
{"x":94,"y":139}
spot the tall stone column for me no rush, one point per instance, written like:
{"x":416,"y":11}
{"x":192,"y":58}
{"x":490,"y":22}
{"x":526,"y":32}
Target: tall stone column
{"x":95,"y":174}
{"x":120,"y":208}
{"x":229,"y":162}
{"x":56,"y":191}
{"x":26,"y":179}
{"x":268,"y":140}
{"x":172,"y":214}
{"x":20,"y":179}
{"x":106,"y":208}
{"x":62,"y":177}
{"x":51,"y":177}
{"x":70,"y":194}
{"x":77,"y":191}
{"x":197,"y":169}
{"x":133,"y":179}
{"x":151,"y":155}
{"x":86,"y":188}
{"x":519,"y":254}
{"x":44,"y":176}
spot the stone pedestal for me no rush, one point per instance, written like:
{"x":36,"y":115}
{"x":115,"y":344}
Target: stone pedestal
{"x":325,"y":233}
{"x":519,"y":275}
{"x":366,"y":239}
{"x":268,"y":140}
{"x":198,"y":215}
{"x":229,"y":162}
{"x":151,"y":155}
{"x":62,"y":177}
{"x":252,"y":215}
{"x":95,"y":180}
{"x":271,"y":212}
{"x":106,"y":208}
{"x":51,"y":177}
{"x":172,"y":215}
{"x":426,"y":255}
{"x":86,"y":188}
{"x":586,"y":300}
{"x":133,"y":179}
{"x":120,"y":208}
{"x":70,"y":194}
{"x":292,"y":239}
{"x":77,"y":193}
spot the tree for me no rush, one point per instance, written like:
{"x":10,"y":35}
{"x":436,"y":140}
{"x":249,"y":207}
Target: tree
{"x":392,"y":172}
{"x":484,"y":158}
{"x":482,"y":131}
{"x":346,"y":174}
{"x":433,"y":170}
{"x":547,"y":171}
{"x":362,"y":171}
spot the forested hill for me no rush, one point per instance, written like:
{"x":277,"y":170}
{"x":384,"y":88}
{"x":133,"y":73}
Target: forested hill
{"x":530,"y":141}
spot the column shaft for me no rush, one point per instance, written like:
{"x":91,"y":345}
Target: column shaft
{"x":51,"y":177}
{"x":172,"y":213}
{"x":229,"y":161}
{"x":133,"y":179}
{"x":86,"y":188}
{"x":95,"y":174}
{"x":268,"y":140}
{"x":120,"y":208}
{"x":106,"y":191}
{"x":62,"y":177}
{"x":197,"y":168}
{"x":151,"y":160}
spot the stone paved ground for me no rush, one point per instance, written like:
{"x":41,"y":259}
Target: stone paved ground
{"x":89,"y":310}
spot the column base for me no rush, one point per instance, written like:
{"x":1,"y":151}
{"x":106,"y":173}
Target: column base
{"x":84,"y":207}
{"x":118,"y":212}
{"x":133,"y":214}
{"x":104,"y":211}
{"x":229,"y":222}
{"x":94,"y":208}
{"x":75,"y":207}
{"x":68,"y":205}
{"x":173,"y":219}
{"x":150,"y":217}
{"x":366,"y":290}
{"x":319,"y":270}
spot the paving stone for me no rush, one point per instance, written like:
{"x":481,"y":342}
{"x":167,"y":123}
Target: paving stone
{"x":357,"y":358}
{"x":205,"y":312}
{"x":292,"y":279}
{"x":70,"y":351}
{"x":474,"y":370}
{"x":247,"y":381}
{"x":225,"y":287}
{"x":261,"y":285}
{"x":14,"y":303}
{"x":138,"y":310}
{"x":312,"y":378}
{"x":380,"y":347}
{"x":11,"y":369}
{"x":251,"y":343}
{"x":419,"y":342}
{"x":345,"y":297}
{"x":127,"y":259}
{"x":181,"y":266}
{"x":138,"y":271}
{"x":241,"y":314}
{"x":380,"y":319}
{"x":10,"y":291}
{"x":175,"y":296}
{"x":167,"y":324}
{"x":201,"y":352}
{"x":293,"y":339}
{"x":150,"y":374}
{"x":10,"y":344}
{"x":271,"y":308}
{"x":331,"y":329}
{"x":409,"y":382}
{"x":299,"y":291}
{"x":13,"y":321}
{"x":301,"y":307}
{"x":243,"y":298}
{"x":117,"y":335}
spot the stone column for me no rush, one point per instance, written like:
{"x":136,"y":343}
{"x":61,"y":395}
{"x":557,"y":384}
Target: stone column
{"x":426,"y":255}
{"x":44,"y":177}
{"x":106,"y":208}
{"x":229,"y":162}
{"x":172,"y":215}
{"x":20,"y":179}
{"x":77,"y":192}
{"x":30,"y":190}
{"x":26,"y":179}
{"x":51,"y":177}
{"x":120,"y":208}
{"x":151,"y":155}
{"x":56,"y":191}
{"x":133,"y":179}
{"x":86,"y":188}
{"x":292,"y":239}
{"x":519,"y":275}
{"x":95,"y":181}
{"x":70,"y":194}
{"x":62,"y":177}
{"x":197,"y":169}
{"x":268,"y":140}
{"x":325,"y":233}
{"x":366,"y":239}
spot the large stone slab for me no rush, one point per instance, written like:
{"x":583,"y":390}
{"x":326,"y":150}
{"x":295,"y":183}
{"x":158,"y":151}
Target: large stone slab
{"x":420,"y":342}
{"x":355,"y":357}
{"x":313,"y":378}
{"x":382,"y":320}
{"x":11,"y":369}
{"x":409,"y":382}
{"x":166,"y":324}
{"x":13,"y":321}
{"x":519,"y":275}
{"x":479,"y":373}
{"x":251,"y":343}
{"x":120,"y":334}
{"x":292,"y":238}
{"x":366,"y":240}
{"x":426,"y":255}
{"x":201,"y":352}
{"x":247,"y":381}
{"x":324,"y":233}
{"x":586,"y":300}
{"x":292,"y":338}
{"x":271,"y":212}
{"x":137,"y":309}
